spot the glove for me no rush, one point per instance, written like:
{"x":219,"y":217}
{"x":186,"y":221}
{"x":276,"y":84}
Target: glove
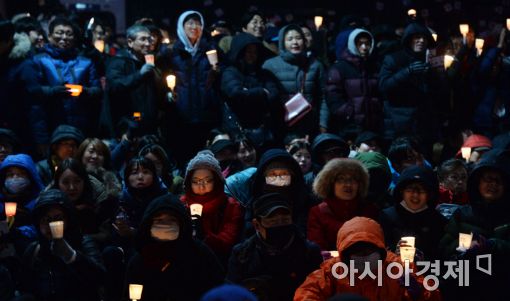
{"x":418,"y":68}
{"x":146,"y":69}
{"x":60,"y":248}
{"x":60,"y":91}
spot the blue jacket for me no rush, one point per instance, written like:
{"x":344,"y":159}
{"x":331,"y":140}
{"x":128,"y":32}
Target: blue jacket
{"x":25,"y":162}
{"x":54,"y":67}
{"x":197,"y":85}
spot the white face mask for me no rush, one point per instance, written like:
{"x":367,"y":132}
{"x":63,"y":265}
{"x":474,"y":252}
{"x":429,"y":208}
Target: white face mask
{"x":165,"y":232}
{"x":280,"y":181}
{"x":371,"y":259}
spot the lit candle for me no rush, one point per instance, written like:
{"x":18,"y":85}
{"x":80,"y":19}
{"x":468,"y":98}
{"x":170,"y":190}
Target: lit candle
{"x":407,"y":253}
{"x":135,"y":291}
{"x":212,"y":56}
{"x":508,"y":24}
{"x":409,"y":240}
{"x":10,"y":209}
{"x":411,"y":13}
{"x":166,"y":41}
{"x":479,"y":45}
{"x":196,"y":210}
{"x":466,"y":153}
{"x":99,"y":45}
{"x":465,"y":241}
{"x":74,"y":89}
{"x":318,"y":21}
{"x":464,"y":29}
{"x":137,"y":116}
{"x":448,"y":60}
{"x":170,"y":81}
{"x":434,"y":36}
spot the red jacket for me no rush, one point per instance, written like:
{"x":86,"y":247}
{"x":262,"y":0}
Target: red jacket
{"x":447,"y":196}
{"x":325,"y":219}
{"x":222,"y":219}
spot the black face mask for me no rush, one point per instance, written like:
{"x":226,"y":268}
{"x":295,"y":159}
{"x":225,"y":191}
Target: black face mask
{"x":280,"y":236}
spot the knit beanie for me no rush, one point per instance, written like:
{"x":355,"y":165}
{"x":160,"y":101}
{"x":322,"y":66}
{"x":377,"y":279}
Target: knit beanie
{"x":203,"y":160}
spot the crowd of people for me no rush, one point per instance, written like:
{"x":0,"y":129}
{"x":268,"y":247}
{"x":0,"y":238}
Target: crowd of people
{"x":247,"y":162}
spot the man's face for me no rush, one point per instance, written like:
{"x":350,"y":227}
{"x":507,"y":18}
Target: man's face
{"x":66,"y":149}
{"x":419,"y":43}
{"x":363,"y":44}
{"x":62,"y":37}
{"x":256,"y":26}
{"x":141,"y":44}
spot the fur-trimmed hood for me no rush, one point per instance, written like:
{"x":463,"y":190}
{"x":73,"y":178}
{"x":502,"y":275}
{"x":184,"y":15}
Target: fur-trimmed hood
{"x":22,"y":46}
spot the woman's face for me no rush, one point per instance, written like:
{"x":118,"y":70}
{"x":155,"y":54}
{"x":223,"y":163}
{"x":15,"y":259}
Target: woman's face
{"x":491,"y":186}
{"x":308,"y":37}
{"x":256,"y":26}
{"x":193,"y":30}
{"x":246,"y":154}
{"x":346,"y":187}
{"x":71,"y":184}
{"x":202,"y":181}
{"x":92,"y":158}
{"x":415,"y":196}
{"x":294,"y":42}
{"x":304,"y":159}
{"x":140,"y":177}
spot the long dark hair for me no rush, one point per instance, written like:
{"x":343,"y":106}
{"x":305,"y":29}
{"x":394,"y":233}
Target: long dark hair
{"x":143,"y":162}
{"x":76,"y":167}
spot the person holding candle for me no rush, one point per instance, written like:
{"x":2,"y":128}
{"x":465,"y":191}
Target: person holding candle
{"x":413,"y":212}
{"x":251,"y":92}
{"x":220,"y":224}
{"x":135,"y":85}
{"x":19,"y":183}
{"x":197,"y":105}
{"x":413,"y":96}
{"x":66,"y":268}
{"x":168,"y":262}
{"x":360,"y":240}
{"x":45,"y":77}
{"x":478,"y":144}
{"x":487,"y":218}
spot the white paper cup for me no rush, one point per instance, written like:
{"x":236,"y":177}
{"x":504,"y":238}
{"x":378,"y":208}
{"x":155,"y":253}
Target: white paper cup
{"x":135,"y":291}
{"x":212,"y":56}
{"x":318,"y":21}
{"x":170,"y":81}
{"x":196,"y":209}
{"x":10,"y":209}
{"x":407,"y":253}
{"x":57,"y":229}
{"x":466,"y":153}
{"x":465,"y":240}
{"x":409,"y":240}
{"x":334,"y":253}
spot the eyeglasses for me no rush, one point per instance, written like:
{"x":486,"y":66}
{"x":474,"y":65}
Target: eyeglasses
{"x":202,"y":182}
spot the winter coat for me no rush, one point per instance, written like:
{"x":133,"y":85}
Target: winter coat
{"x":352,"y":93}
{"x":13,"y":96}
{"x":490,"y":220}
{"x":413,"y":101}
{"x":244,"y":85}
{"x":326,"y":218}
{"x":321,"y":284}
{"x":197,"y":85}
{"x":55,"y":67}
{"x":277,"y":275}
{"x":46,"y":276}
{"x":182,"y":269}
{"x":46,"y":168}
{"x":27,"y":201}
{"x":129,"y":91}
{"x":296,"y":193}
{"x":221,"y":221}
{"x":290,"y":71}
{"x":426,"y":226}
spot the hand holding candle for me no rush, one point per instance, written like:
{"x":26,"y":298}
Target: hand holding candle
{"x":464,"y":29}
{"x":318,"y":21}
{"x":99,"y":45}
{"x":74,"y":89}
{"x":465,"y":241}
{"x":411,"y":13}
{"x":170,"y":81}
{"x":149,"y":59}
{"x":466,"y":153}
{"x":196,"y":210}
{"x":407,"y":253}
{"x":212,"y":56}
{"x":479,"y":46}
